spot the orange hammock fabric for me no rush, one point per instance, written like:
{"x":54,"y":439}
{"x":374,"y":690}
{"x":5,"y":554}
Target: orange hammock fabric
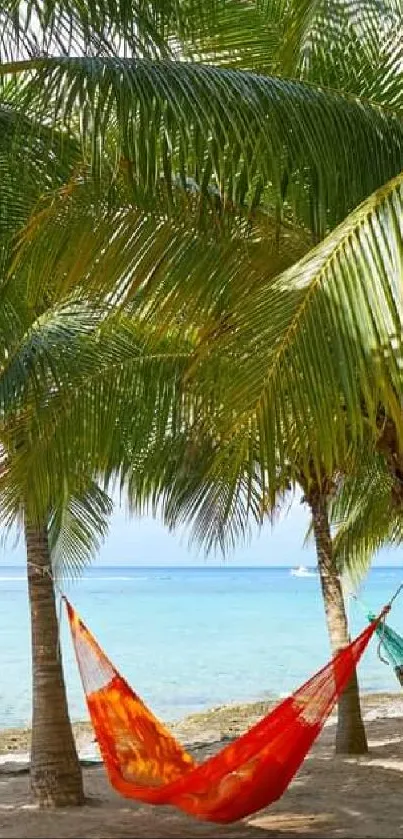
{"x":145,"y":762}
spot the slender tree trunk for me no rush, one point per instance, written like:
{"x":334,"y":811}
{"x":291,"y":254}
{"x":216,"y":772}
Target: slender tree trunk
{"x":350,"y":733}
{"x":56,"y":779}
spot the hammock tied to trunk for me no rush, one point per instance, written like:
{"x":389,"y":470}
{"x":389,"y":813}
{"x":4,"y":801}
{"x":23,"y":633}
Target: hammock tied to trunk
{"x":390,"y":642}
{"x":145,"y":762}
{"x":392,"y":645}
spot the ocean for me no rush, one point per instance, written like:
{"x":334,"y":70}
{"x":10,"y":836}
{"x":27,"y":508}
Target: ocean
{"x":188,"y":639}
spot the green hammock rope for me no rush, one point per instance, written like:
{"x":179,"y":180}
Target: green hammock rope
{"x":390,"y":642}
{"x":392,"y":645}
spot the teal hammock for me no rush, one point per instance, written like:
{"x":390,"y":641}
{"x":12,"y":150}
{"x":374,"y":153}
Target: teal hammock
{"x":390,"y":642}
{"x":392,"y":645}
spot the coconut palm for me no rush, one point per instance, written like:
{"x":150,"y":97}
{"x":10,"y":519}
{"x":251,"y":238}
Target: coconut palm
{"x":53,"y":350}
{"x":310,"y":413}
{"x":40,"y":342}
{"x":30,"y":336}
{"x":243,"y":172}
{"x":64,"y":384}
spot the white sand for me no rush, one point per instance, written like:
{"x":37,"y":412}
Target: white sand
{"x":330,"y":797}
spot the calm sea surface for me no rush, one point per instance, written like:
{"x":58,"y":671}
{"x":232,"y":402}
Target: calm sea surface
{"x":192,"y":638}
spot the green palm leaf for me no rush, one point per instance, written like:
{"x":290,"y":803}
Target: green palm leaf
{"x":316,"y":32}
{"x":237,"y":34}
{"x":31,"y":164}
{"x":176,"y":481}
{"x":255,"y":139}
{"x":367,"y":64}
{"x":89,"y":414}
{"x":151,"y":261}
{"x":43,"y":27}
{"x":33,"y":160}
{"x":40,"y":356}
{"x":364,"y":515}
{"x":302,"y":369}
{"x":77,"y":528}
{"x":311,"y":354}
{"x":349,"y":46}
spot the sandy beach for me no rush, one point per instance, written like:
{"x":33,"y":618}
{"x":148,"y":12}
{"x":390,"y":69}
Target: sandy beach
{"x":330,"y":797}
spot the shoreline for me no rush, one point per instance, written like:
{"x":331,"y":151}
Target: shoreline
{"x":200,"y":729}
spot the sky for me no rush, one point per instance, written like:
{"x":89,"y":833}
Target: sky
{"x":134,"y":541}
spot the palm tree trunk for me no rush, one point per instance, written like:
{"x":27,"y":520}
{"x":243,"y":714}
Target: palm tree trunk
{"x":350,"y":733}
{"x":56,"y":779}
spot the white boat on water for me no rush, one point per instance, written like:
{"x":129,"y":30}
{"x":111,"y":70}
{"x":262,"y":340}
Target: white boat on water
{"x":302,"y":571}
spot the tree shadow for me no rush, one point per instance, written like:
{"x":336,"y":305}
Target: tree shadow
{"x":107,"y":816}
{"x":341,"y":796}
{"x":330,"y":797}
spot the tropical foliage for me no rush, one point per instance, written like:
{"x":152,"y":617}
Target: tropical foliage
{"x":200,"y":238}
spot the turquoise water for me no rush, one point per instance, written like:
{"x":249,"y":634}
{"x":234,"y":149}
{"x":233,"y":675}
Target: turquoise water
{"x":192,"y":638}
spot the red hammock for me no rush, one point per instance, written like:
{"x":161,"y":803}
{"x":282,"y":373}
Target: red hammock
{"x":145,"y":762}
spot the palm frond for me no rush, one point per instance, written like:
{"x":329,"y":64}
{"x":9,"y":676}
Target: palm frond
{"x":33,"y":160}
{"x":363,"y":516}
{"x":345,"y":45}
{"x":301,"y":369}
{"x":111,"y":250}
{"x":306,"y":20}
{"x":283,"y":370}
{"x":77,"y":528}
{"x":349,"y":46}
{"x":173,"y":480}
{"x":368,"y":67}
{"x":256,"y":140}
{"x":60,"y":27}
{"x":31,"y":164}
{"x":97,"y":412}
{"x":237,"y":34}
{"x":311,"y":354}
{"x":40,"y":356}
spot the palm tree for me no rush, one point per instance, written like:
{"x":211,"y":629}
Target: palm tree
{"x":41,"y":341}
{"x":315,"y":476}
{"x":321,"y":431}
{"x":69,"y":386}
{"x":26,"y":334}
{"x":55,"y":771}
{"x":232,"y":168}
{"x":53,"y":349}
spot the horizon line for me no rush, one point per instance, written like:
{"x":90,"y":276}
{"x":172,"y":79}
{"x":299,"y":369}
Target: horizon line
{"x":223,"y":564}
{"x":206,"y":565}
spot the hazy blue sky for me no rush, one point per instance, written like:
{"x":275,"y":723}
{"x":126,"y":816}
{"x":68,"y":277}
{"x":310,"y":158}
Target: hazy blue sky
{"x":147,"y":542}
